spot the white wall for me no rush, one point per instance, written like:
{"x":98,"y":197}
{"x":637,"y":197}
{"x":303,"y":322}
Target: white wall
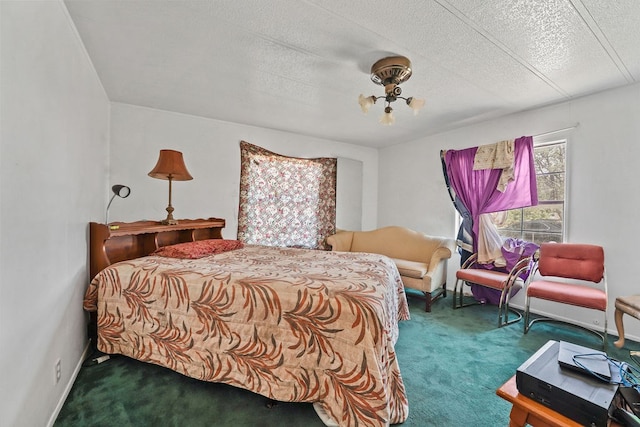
{"x":53,"y":180}
{"x":603,"y":196}
{"x":211,"y":150}
{"x":349,"y":187}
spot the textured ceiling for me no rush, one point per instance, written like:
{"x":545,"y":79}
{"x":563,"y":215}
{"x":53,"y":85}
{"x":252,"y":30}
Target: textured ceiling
{"x":299,"y":66}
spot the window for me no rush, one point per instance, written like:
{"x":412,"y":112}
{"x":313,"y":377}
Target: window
{"x":544,"y":222}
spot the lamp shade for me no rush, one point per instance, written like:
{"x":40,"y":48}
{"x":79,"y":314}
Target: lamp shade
{"x":120,"y":191}
{"x":170,"y":166}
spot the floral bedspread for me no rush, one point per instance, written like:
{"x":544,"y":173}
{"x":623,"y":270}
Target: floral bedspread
{"x":290,"y":324}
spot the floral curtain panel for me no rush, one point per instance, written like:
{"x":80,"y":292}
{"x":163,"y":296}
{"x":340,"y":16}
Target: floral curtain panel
{"x":286,"y":201}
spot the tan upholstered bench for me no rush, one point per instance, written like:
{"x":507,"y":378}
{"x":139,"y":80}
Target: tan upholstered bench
{"x":625,"y":305}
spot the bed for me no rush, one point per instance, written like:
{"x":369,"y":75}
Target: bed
{"x":293,"y":325}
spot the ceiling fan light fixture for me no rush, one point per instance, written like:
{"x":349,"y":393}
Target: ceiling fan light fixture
{"x":366,"y":102}
{"x":390,"y":72}
{"x":415,"y":104}
{"x":387,"y":118}
{"x":392,"y":69}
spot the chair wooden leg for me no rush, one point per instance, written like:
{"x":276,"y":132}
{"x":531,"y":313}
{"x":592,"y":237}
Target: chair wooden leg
{"x":432,"y":296}
{"x":620,"y":327}
{"x":427,"y":307}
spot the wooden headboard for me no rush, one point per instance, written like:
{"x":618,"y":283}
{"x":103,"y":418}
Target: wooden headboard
{"x":121,"y":241}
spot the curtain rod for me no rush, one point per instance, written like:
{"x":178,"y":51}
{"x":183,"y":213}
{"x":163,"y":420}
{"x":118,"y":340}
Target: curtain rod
{"x":556,"y":131}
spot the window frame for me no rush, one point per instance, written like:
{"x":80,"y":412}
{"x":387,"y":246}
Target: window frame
{"x":541,"y":142}
{"x":552,"y":138}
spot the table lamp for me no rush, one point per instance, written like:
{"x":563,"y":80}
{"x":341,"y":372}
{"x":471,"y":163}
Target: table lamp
{"x":171,"y":167}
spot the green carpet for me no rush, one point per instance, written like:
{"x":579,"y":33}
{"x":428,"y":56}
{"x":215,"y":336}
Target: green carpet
{"x":452,"y":362}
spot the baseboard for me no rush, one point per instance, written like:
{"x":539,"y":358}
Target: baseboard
{"x":69,"y":385}
{"x":610,"y":331}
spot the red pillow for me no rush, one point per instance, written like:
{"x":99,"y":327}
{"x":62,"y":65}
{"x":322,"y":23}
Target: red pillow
{"x":198,"y":249}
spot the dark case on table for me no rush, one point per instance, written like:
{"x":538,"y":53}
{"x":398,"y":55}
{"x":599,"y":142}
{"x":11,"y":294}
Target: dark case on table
{"x":582,"y":398}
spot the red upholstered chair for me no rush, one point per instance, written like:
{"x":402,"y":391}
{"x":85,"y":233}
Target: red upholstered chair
{"x":573,"y":274}
{"x":503,"y":282}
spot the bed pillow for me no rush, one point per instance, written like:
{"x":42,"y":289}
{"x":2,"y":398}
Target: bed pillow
{"x":198,"y":249}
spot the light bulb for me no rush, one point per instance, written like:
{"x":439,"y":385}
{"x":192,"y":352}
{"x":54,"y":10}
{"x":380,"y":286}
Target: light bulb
{"x":387,"y":118}
{"x":366,"y":102}
{"x":415,"y":104}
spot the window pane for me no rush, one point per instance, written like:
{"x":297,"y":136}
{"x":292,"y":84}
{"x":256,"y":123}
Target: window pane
{"x":545,"y":222}
{"x":508,"y":220}
{"x":510,"y":234}
{"x":549,"y":158}
{"x":551,"y":186}
{"x":542,"y":237}
{"x":545,"y":217}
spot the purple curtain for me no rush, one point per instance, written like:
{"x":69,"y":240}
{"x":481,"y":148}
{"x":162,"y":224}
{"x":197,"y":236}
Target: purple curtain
{"x":513,"y":251}
{"x":477,"y":189}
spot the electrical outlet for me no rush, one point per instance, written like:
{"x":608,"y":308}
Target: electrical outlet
{"x":57,"y":371}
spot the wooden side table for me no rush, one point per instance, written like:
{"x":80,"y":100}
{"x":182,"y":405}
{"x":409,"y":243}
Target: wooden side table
{"x":528,"y":411}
